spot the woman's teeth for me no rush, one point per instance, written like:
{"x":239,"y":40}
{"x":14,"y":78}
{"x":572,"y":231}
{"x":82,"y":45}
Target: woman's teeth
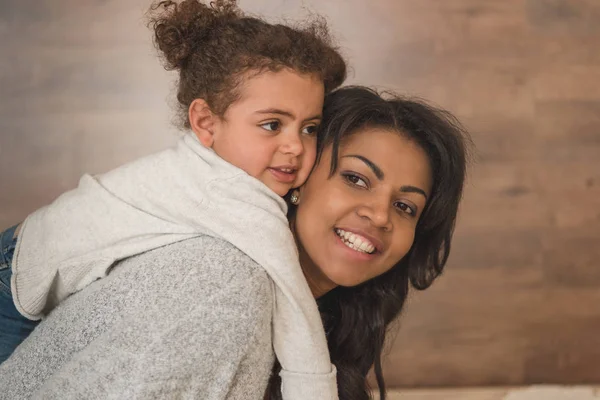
{"x":355,"y":242}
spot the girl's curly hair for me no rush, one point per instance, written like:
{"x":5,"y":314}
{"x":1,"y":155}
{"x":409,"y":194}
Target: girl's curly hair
{"x":213,"y":46}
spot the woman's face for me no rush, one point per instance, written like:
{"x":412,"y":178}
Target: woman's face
{"x":360,"y":222}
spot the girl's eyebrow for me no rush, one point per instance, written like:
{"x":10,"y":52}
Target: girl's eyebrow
{"x":286,"y":113}
{"x":380,"y":175}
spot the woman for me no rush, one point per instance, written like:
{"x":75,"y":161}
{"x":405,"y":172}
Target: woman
{"x":391,"y":170}
{"x":377,"y":212}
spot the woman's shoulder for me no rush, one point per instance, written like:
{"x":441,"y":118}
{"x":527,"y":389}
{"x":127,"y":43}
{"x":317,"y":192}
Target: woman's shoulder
{"x":199,"y":263}
{"x":195,"y":314}
{"x":211,"y":255}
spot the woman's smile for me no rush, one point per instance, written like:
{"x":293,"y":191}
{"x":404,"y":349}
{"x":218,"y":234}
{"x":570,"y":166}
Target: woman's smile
{"x":359,"y":240}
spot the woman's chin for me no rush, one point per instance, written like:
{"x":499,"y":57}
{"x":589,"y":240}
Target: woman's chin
{"x":343,"y":278}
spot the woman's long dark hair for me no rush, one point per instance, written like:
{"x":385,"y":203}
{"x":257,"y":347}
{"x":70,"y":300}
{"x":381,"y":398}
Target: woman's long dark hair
{"x":356,"y":319}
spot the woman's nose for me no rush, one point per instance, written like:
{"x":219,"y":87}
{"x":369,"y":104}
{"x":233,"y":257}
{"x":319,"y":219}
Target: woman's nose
{"x":378,"y":212}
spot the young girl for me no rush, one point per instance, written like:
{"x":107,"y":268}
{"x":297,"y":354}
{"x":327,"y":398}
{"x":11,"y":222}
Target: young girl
{"x":251,"y":93}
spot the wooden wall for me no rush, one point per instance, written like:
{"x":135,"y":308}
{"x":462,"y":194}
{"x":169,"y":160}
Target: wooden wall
{"x":81,"y":91}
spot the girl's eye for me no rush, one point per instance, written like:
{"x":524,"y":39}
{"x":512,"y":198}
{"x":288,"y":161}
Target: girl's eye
{"x":271,"y":126}
{"x":356,"y":180}
{"x":405,"y":208}
{"x":310,"y":130}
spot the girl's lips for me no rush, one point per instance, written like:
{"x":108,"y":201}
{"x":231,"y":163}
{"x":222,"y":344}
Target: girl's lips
{"x":282,"y":175}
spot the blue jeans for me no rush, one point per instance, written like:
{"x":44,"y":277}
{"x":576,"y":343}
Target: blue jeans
{"x":14,"y":327}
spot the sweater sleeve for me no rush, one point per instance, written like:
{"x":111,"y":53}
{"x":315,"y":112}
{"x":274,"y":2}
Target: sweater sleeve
{"x":308,"y":386}
{"x":162,"y":326}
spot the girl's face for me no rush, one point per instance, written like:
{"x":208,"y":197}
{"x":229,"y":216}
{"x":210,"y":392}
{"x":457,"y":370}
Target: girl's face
{"x":270,"y":131}
{"x":360,"y":222}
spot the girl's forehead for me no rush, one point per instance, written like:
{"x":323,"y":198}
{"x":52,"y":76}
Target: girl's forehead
{"x":281,"y":88}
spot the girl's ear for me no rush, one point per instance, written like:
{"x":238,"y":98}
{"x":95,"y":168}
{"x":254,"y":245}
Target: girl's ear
{"x":202,"y":121}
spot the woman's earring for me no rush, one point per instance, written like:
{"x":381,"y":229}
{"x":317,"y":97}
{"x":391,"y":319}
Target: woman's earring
{"x":295,"y":197}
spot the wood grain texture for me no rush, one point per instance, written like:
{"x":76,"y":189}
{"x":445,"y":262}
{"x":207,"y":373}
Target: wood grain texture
{"x":81,"y":90}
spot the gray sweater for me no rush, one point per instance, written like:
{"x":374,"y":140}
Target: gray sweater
{"x":179,"y":193}
{"x":171,"y":323}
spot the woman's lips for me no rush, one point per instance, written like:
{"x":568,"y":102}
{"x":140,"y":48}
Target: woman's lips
{"x":351,"y":252}
{"x":355,"y":241}
{"x":368,"y":236}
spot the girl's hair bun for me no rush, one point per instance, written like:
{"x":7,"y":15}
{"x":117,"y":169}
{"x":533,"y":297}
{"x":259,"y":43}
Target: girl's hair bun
{"x":180,"y":27}
{"x":213,"y":45}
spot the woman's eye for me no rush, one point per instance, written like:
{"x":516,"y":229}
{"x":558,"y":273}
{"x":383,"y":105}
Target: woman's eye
{"x":405,"y":208}
{"x":356,"y":180}
{"x":310,"y":130}
{"x":271,"y":126}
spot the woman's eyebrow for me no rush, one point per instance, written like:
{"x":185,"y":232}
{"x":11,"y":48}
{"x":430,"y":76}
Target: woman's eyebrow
{"x":376,"y":170}
{"x":286,"y":113}
{"x":380,"y":175}
{"x":413,"y":189}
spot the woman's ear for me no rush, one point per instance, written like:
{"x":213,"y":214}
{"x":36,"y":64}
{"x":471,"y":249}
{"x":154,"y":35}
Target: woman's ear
{"x":202,"y":121}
